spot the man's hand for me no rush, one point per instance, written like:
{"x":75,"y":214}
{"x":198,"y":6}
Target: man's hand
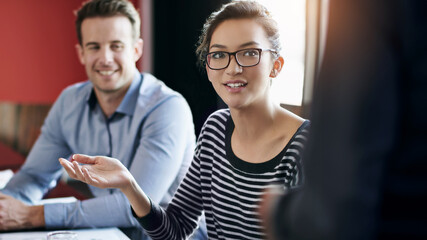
{"x":14,"y":214}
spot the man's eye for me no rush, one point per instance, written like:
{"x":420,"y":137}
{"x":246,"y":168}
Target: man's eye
{"x":116,"y":47}
{"x":93,"y":47}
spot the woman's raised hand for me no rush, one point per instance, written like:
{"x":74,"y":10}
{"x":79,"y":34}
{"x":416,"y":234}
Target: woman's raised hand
{"x":98,"y":171}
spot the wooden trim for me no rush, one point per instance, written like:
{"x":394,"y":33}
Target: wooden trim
{"x":20,"y":124}
{"x":8,"y":113}
{"x":298,"y":110}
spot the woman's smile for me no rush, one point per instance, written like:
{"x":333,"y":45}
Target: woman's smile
{"x":235,"y":86}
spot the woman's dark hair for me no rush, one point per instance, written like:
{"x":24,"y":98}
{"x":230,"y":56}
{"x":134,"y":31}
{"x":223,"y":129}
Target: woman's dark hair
{"x":238,"y":10}
{"x":108,"y":8}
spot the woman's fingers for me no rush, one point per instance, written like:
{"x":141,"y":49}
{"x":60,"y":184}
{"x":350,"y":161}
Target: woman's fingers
{"x":78,"y":170}
{"x":68,"y":166}
{"x":85,"y":159}
{"x":97,"y":171}
{"x":88,"y":177}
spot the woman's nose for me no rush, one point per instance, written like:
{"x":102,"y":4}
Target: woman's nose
{"x":233,"y":67}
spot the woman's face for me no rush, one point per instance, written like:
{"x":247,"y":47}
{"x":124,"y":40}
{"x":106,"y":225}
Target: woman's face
{"x":240,"y":87}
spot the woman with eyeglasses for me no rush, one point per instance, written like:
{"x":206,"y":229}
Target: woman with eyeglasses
{"x":241,"y":151}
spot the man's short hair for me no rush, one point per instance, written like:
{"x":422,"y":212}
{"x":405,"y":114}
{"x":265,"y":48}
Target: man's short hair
{"x":108,"y":8}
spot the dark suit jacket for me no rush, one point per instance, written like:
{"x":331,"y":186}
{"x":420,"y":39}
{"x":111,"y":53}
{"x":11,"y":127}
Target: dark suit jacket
{"x":366,"y":161}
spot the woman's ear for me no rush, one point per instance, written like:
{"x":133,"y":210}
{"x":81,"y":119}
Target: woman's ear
{"x":277,"y":67}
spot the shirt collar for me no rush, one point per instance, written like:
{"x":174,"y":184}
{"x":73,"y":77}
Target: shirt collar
{"x":91,"y":100}
{"x":127,"y":106}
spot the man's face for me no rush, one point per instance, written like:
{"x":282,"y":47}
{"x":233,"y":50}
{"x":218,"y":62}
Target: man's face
{"x":109,"y":52}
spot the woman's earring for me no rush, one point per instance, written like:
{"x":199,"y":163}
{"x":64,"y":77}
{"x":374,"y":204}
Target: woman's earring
{"x":273,"y":73}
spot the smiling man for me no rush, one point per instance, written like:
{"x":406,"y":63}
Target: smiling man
{"x":118,"y":112}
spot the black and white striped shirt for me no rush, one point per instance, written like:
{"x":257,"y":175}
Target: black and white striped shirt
{"x":226,"y":188}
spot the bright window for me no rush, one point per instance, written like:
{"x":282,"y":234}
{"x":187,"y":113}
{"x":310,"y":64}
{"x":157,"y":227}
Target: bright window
{"x":290,"y":16}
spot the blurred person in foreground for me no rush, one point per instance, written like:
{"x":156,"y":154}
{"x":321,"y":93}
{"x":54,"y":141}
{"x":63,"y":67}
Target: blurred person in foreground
{"x":119,"y":113}
{"x":242,"y":150}
{"x":366,"y":160}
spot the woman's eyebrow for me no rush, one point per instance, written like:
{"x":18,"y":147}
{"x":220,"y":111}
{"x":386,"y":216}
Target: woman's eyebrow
{"x":247,"y":44}
{"x":217,"y":46}
{"x":251,"y":43}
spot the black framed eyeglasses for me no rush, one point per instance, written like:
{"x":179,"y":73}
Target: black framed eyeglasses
{"x":245,"y":58}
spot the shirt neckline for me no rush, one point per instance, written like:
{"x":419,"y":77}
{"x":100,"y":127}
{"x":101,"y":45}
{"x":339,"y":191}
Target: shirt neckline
{"x":257,"y":168}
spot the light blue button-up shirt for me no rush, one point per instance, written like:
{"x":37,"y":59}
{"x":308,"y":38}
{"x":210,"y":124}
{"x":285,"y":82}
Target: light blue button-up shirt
{"x":151,"y":133}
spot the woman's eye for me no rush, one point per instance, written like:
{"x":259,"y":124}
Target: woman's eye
{"x":218,"y":55}
{"x":250,"y":53}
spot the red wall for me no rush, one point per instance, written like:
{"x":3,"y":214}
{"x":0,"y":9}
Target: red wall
{"x":37,"y":49}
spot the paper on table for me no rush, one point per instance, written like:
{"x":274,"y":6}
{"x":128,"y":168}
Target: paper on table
{"x":5,"y":176}
{"x":82,"y":234}
{"x":57,"y":200}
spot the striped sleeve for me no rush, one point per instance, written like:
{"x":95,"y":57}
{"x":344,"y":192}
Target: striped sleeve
{"x":180,"y":218}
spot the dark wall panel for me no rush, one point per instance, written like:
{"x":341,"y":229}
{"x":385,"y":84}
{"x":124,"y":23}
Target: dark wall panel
{"x":177,"y":25}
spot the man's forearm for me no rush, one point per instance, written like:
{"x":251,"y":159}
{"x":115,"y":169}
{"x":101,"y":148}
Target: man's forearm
{"x":15,"y":214}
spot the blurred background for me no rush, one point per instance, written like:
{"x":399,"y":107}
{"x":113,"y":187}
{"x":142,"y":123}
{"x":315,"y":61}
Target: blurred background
{"x":38,"y":60}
